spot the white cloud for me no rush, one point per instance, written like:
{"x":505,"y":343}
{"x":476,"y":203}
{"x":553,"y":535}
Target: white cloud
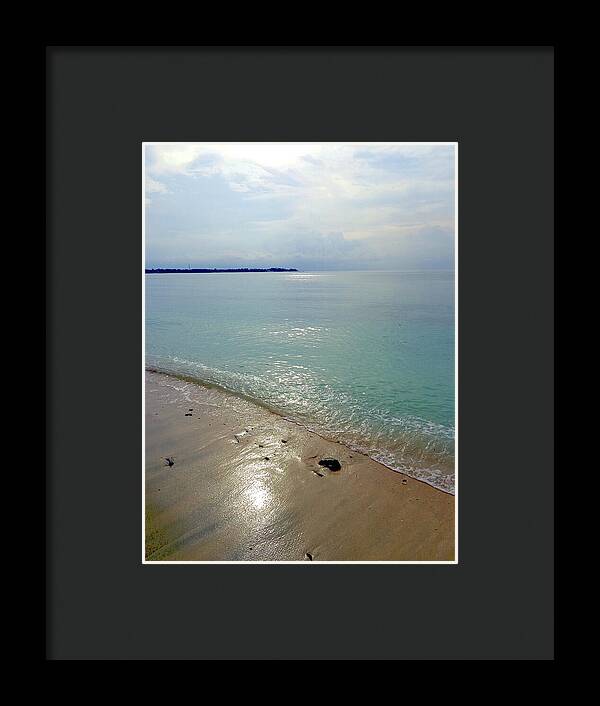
{"x":155,"y":187}
{"x":238,"y":194}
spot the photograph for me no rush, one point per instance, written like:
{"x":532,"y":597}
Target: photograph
{"x":301,"y":312}
{"x":300,"y":353}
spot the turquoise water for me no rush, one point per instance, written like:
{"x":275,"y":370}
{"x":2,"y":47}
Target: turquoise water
{"x":366,"y":358}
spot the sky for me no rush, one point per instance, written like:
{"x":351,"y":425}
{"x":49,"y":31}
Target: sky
{"x":321,"y":206}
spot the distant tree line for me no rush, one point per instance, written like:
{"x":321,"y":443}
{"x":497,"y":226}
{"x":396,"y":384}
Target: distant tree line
{"x":163,"y":270}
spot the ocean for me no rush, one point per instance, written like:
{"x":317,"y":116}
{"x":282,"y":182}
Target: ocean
{"x":363,"y":358}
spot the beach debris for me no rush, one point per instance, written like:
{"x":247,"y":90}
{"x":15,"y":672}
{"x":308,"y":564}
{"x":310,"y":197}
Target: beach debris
{"x":169,"y":461}
{"x":191,"y":409}
{"x":318,"y":474}
{"x":266,"y":458}
{"x":188,"y":414}
{"x":284,"y":441}
{"x":261,"y":446}
{"x":308,"y":556}
{"x":332,"y":463}
{"x":404,"y":481}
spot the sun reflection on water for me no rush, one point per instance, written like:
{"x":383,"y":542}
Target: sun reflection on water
{"x":258,"y":495}
{"x":257,"y":492}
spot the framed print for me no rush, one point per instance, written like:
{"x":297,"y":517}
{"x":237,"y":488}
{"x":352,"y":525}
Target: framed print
{"x":300,"y":397}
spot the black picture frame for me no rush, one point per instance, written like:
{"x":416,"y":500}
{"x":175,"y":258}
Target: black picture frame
{"x":498,"y":104}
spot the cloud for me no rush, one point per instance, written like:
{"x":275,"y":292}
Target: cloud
{"x":155,"y":187}
{"x":306,"y":205}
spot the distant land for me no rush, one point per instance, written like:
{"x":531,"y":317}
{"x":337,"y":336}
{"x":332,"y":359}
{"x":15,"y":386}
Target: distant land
{"x":161,"y":270}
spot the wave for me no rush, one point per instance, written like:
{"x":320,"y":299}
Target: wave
{"x":416,"y":447}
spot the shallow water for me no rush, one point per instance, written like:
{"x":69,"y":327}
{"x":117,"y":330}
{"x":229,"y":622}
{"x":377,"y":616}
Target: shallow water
{"x":366,"y":358}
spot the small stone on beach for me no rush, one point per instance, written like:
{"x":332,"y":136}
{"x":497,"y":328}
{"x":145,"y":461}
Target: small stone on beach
{"x":332,"y":463}
{"x":309,"y":556}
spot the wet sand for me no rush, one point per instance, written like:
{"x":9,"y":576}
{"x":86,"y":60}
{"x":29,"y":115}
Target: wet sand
{"x":245,"y":485}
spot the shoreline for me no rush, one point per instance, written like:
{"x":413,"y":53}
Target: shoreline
{"x":245,"y":485}
{"x":187,"y":378}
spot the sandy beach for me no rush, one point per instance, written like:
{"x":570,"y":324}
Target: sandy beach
{"x":245,"y":485}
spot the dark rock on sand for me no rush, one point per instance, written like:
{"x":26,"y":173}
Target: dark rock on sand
{"x":169,"y":461}
{"x":332,"y":463}
{"x":309,"y":556}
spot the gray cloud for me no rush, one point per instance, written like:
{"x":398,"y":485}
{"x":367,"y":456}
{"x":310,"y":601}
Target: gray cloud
{"x":330,"y":206}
